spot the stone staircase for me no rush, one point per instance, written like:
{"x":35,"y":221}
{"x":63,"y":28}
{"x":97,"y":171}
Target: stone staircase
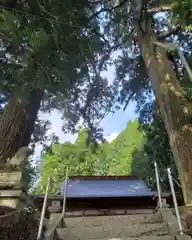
{"x":116,"y":227}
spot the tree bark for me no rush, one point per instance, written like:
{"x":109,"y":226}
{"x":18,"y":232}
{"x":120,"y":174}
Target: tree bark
{"x":175,"y":108}
{"x":17,"y":122}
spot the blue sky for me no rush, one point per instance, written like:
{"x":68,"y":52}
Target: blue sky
{"x":112,"y":124}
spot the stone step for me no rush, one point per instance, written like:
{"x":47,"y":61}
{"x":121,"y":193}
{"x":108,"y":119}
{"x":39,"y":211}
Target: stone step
{"x":111,"y":220}
{"x":107,"y":212}
{"x":111,"y":231}
{"x":140,"y":238}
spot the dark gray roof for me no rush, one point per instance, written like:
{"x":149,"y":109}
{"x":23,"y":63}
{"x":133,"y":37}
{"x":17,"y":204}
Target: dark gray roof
{"x":79,"y":188}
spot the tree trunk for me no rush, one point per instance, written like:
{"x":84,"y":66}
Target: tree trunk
{"x":175,"y":109}
{"x":17,"y":122}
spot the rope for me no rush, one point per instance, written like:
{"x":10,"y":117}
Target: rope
{"x":176,"y":182}
{"x":150,"y":169}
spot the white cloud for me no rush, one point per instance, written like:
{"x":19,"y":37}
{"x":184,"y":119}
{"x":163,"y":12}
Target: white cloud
{"x":112,"y":136}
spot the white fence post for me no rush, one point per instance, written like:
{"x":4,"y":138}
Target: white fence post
{"x":43,"y":210}
{"x":175,"y":201}
{"x":65,"y":192}
{"x":158,"y":184}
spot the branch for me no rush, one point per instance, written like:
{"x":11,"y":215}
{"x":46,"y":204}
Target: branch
{"x":174,"y":46}
{"x":121,"y":4}
{"x":4,"y":36}
{"x":102,"y":37}
{"x":155,"y":9}
{"x":45,"y":11}
{"x":43,"y":69}
{"x":163,"y":8}
{"x":172,"y":31}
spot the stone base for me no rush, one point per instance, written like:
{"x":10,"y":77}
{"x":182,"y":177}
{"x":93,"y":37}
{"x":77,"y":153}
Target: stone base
{"x":55,"y":207}
{"x":11,"y":198}
{"x":10,"y":179}
{"x":13,"y":203}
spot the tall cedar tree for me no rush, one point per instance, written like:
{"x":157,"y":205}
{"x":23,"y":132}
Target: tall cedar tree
{"x":173,"y":102}
{"x":51,"y":50}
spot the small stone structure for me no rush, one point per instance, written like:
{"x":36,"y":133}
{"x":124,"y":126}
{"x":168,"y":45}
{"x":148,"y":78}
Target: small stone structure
{"x":12,"y":192}
{"x":55,"y":207}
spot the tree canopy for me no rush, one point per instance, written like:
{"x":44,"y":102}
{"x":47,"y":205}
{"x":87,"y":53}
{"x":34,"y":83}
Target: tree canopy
{"x":53,"y":54}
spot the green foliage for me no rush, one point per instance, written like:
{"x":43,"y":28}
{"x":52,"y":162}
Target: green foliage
{"x":123,"y":147}
{"x":56,"y":46}
{"x":109,"y":158}
{"x":62,"y":48}
{"x":156,"y":148}
{"x":82,"y":137}
{"x":29,"y":175}
{"x":182,"y":13}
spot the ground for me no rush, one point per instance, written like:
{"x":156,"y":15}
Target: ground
{"x":15,"y":226}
